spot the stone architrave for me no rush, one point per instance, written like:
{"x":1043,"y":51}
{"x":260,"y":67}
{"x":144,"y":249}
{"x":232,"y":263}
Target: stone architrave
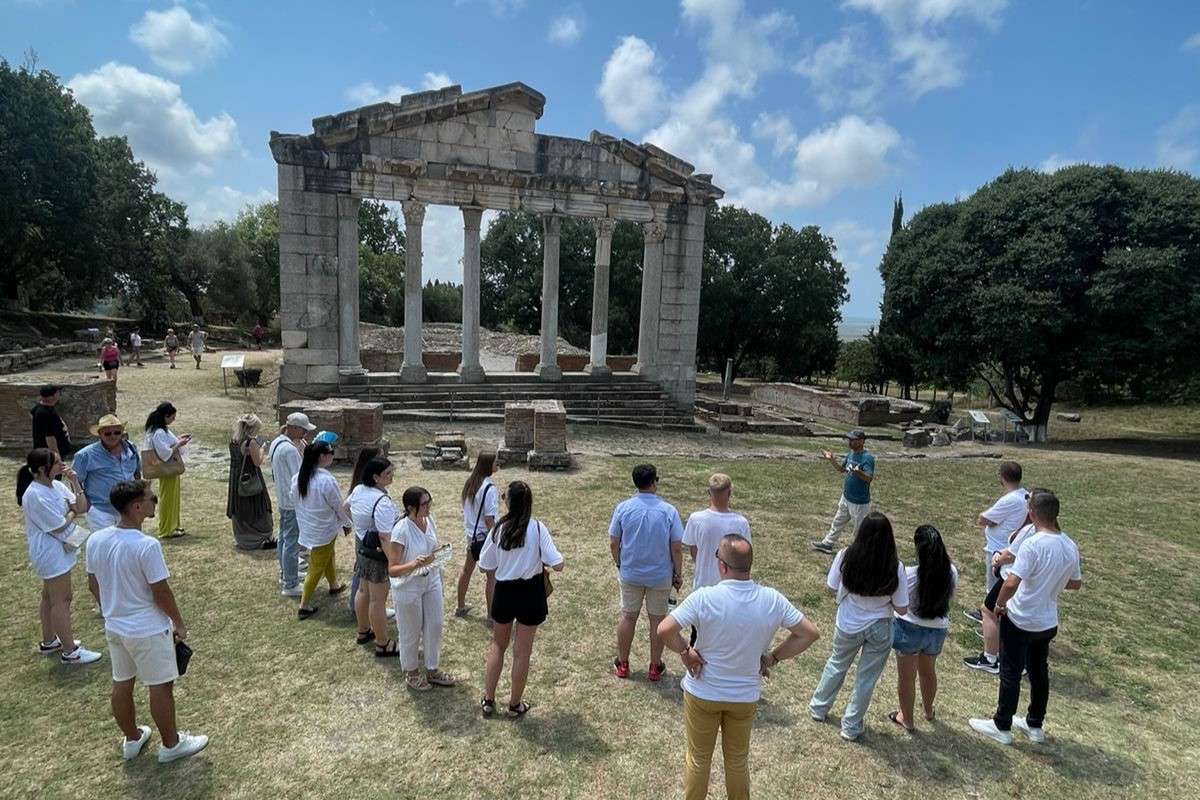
{"x":412,"y":370}
{"x":470,"y":370}
{"x":652,"y":265}
{"x":547,"y":367}
{"x":598,"y":368}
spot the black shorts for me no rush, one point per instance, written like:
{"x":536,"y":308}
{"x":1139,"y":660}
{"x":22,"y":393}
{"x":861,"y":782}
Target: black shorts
{"x":990,"y":601}
{"x":112,"y":364}
{"x":522,"y":600}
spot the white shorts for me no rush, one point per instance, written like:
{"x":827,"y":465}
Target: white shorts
{"x":151,"y":658}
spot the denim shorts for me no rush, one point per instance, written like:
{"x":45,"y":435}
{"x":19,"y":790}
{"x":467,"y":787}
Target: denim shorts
{"x":909,"y":639}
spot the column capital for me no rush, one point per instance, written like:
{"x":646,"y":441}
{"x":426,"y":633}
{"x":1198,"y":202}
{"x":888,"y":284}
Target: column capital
{"x":414,"y":212}
{"x":654,"y":231}
{"x":472,"y":217}
{"x":604,"y":226}
{"x":551,"y":224}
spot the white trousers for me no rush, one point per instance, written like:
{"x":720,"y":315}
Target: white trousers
{"x":846,"y":512}
{"x":419,"y":616}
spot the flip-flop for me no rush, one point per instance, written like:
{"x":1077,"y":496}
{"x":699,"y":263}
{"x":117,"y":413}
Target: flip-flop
{"x":894,"y":717}
{"x":305,"y":613}
{"x":339,"y":590}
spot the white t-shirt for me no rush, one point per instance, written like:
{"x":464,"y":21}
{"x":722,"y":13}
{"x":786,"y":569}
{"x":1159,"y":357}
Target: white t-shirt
{"x":524,"y":562}
{"x":735,"y":623}
{"x":161,"y":441}
{"x":704,"y":531}
{"x":855,"y":611}
{"x":125,"y":562}
{"x":196,"y":341}
{"x":45,"y":510}
{"x":417,"y":542}
{"x":911,"y":582}
{"x":372,"y":508}
{"x":285,"y":463}
{"x":135,"y":341}
{"x":1008,"y":513}
{"x":489,"y":495}
{"x":319,"y":514}
{"x":1014,"y":547}
{"x":1045,"y":563}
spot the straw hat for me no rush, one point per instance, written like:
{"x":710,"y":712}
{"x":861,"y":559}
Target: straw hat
{"x":107,"y":421}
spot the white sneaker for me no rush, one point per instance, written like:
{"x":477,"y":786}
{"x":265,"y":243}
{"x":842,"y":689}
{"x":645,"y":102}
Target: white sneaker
{"x":80,"y":655}
{"x":295,"y":591}
{"x":188,"y":745}
{"x":53,"y":646}
{"x":989,"y":729}
{"x":1036,"y":735}
{"x":131,"y":749}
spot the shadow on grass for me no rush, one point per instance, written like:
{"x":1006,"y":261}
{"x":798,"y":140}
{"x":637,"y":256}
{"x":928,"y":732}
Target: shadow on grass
{"x":146,"y":779}
{"x":1086,"y":764}
{"x":949,"y":753}
{"x":1179,"y":448}
{"x":568,"y":734}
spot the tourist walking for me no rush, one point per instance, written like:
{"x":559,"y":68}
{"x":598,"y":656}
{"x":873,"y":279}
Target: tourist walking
{"x":481,"y":509}
{"x":110,"y":359}
{"x":420,"y":609}
{"x":855,"y":503}
{"x":169,"y":449}
{"x":644,"y":541}
{"x":517,"y":550}
{"x":196,"y":343}
{"x":870,"y":585}
{"x":248,"y":505}
{"x":51,"y":507}
{"x":128,"y":577}
{"x":918,"y":634}
{"x":49,"y":430}
{"x":284,"y":452}
{"x":135,"y":347}
{"x":737,"y":619}
{"x":171,"y":346}
{"x":102,"y":464}
{"x":999,"y":522}
{"x":320,"y":514}
{"x":1046,"y":565}
{"x":373,"y":515}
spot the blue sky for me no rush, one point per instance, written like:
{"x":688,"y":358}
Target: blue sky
{"x":807,"y":111}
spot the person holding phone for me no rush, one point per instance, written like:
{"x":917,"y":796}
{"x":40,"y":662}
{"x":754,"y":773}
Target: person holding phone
{"x":250,"y":514}
{"x":169,"y":447}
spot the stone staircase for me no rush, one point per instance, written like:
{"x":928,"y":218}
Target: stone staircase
{"x":626,"y":399}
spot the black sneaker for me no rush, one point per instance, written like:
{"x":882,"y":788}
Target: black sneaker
{"x":822,"y":547}
{"x":974,"y":616}
{"x":981,"y":663}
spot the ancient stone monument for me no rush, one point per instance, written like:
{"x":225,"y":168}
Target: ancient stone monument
{"x":535,"y":434}
{"x":479,"y":151}
{"x":447,"y":451}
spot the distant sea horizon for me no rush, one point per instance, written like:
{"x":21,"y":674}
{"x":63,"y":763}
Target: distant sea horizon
{"x":855,"y":327}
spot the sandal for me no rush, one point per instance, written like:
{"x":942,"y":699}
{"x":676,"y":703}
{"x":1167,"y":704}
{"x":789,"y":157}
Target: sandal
{"x":929,"y":716}
{"x":441,"y":678}
{"x":894,"y":716}
{"x":335,"y":592}
{"x":305,"y":613}
{"x":365,"y":636}
{"x":488,"y":707}
{"x":388,"y":649}
{"x":417,"y":682}
{"x":518,"y":711}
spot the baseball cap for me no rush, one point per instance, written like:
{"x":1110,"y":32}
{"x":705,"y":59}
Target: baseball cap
{"x":49,"y":390}
{"x":300,"y":420}
{"x":857,"y":433}
{"x":329,"y":437}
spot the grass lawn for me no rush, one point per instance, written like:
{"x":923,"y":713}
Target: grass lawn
{"x":297,"y":710}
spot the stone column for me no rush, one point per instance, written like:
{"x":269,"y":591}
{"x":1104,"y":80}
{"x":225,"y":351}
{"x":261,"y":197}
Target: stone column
{"x":652,"y":264}
{"x":598,"y":368}
{"x":412,"y":370}
{"x":347,"y":283}
{"x":547,"y":366}
{"x":469,"y":370}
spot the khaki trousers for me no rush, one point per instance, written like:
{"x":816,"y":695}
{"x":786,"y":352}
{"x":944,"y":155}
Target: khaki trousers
{"x":702,"y":719}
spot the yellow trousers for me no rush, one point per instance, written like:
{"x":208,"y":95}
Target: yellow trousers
{"x":168,"y":506}
{"x":320,"y":564}
{"x":702,"y":719}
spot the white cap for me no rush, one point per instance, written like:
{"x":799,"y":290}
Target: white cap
{"x":300,"y":420}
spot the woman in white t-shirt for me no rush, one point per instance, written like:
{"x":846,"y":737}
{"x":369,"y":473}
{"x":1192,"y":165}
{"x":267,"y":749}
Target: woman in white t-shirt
{"x":319,"y":515}
{"x":869,"y":582}
{"x":481,"y":509}
{"x":168,"y":447}
{"x":420,"y":609}
{"x":373,"y":514}
{"x":919,"y":634}
{"x":516,"y":550}
{"x":50,"y":509}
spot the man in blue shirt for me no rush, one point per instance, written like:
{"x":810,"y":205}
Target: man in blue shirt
{"x":855,"y":503}
{"x":104,"y":463}
{"x":645,"y":538}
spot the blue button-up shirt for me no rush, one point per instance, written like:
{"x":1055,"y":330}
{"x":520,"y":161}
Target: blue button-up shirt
{"x":98,"y":470}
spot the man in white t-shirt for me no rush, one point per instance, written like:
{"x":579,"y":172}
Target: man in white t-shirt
{"x":737,"y":620}
{"x":705,"y":529}
{"x":1046,"y":565}
{"x":128,"y":577}
{"x":998,"y":523}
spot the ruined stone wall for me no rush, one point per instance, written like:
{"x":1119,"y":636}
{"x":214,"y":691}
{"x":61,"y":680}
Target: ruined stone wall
{"x":865,"y":410}
{"x":80,"y":406}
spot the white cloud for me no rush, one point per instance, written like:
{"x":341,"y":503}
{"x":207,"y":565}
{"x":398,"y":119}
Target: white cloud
{"x":436,"y":80}
{"x":1178,"y":141}
{"x":566,"y":29}
{"x":1192,"y":42}
{"x":844,"y":72}
{"x":933,"y":63}
{"x":442,"y":242}
{"x":176,"y":42}
{"x":367,"y":93}
{"x":1055,"y":162}
{"x":850,"y":152}
{"x":931,"y":12}
{"x":631,"y":90}
{"x":162,"y":129}
{"x":777,"y":129}
{"x":222,"y":203}
{"x":860,"y":247}
{"x":499,"y":8}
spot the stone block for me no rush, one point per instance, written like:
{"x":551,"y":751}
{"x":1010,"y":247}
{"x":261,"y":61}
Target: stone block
{"x":549,"y":426}
{"x":457,"y":154}
{"x":917,"y":437}
{"x":313,"y":356}
{"x":518,"y":425}
{"x":293,"y":339}
{"x":291,"y":178}
{"x":321,"y":226}
{"x":526,"y":162}
{"x":326,"y":267}
{"x":457,"y":132}
{"x":406,"y":148}
{"x":80,"y":405}
{"x":508,"y":456}
{"x":940,"y":439}
{"x":501,"y":159}
{"x":292,"y":264}
{"x":450,"y":439}
{"x":325,"y":338}
{"x":323,"y":373}
{"x":307,"y":245}
{"x":292,"y":374}
{"x":538,"y":461}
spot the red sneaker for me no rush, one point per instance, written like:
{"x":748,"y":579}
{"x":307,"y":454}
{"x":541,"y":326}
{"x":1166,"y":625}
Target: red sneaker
{"x":656,"y":671}
{"x":621,"y":668}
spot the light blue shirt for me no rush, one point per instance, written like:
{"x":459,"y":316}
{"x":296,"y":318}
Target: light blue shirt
{"x":646,"y":525}
{"x":98,"y":471}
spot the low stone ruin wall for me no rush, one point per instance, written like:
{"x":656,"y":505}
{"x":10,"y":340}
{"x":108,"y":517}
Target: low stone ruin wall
{"x":572,"y":362}
{"x":379,"y":361}
{"x":849,"y":407}
{"x":356,"y":423}
{"x":30,"y":357}
{"x":80,"y":406}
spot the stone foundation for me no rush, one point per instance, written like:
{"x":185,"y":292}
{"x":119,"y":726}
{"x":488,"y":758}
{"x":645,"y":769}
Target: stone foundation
{"x":448,"y":451}
{"x":535,"y":434}
{"x":357,"y":424}
{"x":849,"y":407}
{"x":80,"y":406}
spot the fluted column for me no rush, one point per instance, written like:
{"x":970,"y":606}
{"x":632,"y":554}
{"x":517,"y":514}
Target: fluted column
{"x":547,"y":367}
{"x":412,"y":370}
{"x":598,"y":367}
{"x":652,"y":266}
{"x":470,"y":369}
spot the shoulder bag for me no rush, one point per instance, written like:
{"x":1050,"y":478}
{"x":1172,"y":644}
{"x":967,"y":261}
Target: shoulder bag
{"x":155,"y":467}
{"x":370,"y":545}
{"x":477,"y":540}
{"x":547,"y":586}
{"x":251,"y":484}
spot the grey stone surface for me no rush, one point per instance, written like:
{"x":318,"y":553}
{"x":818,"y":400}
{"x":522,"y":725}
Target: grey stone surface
{"x":917,"y":437}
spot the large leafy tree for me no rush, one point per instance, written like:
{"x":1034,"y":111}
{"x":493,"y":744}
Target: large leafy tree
{"x":380,"y":264}
{"x":1089,"y":273}
{"x":257,"y":229}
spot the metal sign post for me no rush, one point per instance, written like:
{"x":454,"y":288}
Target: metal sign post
{"x":235,"y":362}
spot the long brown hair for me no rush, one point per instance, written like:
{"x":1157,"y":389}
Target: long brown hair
{"x":485,"y":463}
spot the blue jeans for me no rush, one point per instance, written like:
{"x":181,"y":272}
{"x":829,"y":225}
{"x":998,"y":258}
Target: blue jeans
{"x":875,"y":641}
{"x":289,"y":549}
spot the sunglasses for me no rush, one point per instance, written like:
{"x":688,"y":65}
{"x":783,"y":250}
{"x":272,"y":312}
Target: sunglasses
{"x":111,"y":433}
{"x":151,"y":499}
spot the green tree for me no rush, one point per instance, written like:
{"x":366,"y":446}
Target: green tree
{"x":441,"y":302}
{"x":257,"y":228}
{"x":897,"y":215}
{"x":857,"y":364}
{"x":380,"y":264}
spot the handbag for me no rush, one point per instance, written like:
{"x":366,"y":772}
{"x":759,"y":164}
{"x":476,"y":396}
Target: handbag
{"x":370,"y":545}
{"x":252,"y":484}
{"x":477,"y":541}
{"x":183,"y":654}
{"x":547,"y":586}
{"x":155,"y":467}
